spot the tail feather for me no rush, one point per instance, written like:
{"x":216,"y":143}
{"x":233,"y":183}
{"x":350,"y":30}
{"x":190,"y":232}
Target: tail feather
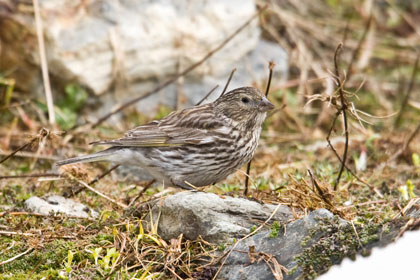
{"x":103,"y":155}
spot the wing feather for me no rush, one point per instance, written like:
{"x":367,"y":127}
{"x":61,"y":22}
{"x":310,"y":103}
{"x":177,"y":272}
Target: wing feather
{"x":189,"y":126}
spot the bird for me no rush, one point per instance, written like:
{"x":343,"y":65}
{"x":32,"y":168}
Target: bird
{"x":192,"y":147}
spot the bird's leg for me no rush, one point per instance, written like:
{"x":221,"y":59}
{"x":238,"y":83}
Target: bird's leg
{"x":182,"y":185}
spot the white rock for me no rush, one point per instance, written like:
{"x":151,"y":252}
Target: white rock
{"x":58,"y":204}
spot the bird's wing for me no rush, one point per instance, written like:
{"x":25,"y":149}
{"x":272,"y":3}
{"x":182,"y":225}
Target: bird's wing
{"x":188,"y":126}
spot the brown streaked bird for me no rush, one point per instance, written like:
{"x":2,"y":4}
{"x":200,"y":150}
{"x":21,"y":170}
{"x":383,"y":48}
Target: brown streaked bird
{"x":197,"y":146}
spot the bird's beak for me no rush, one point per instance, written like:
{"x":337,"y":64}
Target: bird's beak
{"x":266,"y":105}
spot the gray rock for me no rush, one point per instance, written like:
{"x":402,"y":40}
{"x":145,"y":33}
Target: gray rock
{"x":216,"y":219}
{"x":285,"y":247}
{"x":58,"y":204}
{"x":414,"y":212}
{"x":99,"y":42}
{"x":252,"y":69}
{"x":122,"y":49}
{"x":310,"y":246}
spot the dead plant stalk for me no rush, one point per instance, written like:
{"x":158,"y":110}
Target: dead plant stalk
{"x":44,"y":64}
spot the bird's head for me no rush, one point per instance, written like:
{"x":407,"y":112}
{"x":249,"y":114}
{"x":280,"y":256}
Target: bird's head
{"x":246,"y":107}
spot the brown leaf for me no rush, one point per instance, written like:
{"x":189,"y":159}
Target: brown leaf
{"x":251,"y":254}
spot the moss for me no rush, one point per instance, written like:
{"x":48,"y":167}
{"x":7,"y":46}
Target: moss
{"x":47,"y":274}
{"x":43,"y":261}
{"x":275,"y":229}
{"x":335,"y":241}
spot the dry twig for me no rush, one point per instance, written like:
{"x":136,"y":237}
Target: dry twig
{"x":41,"y":135}
{"x":97,"y":178}
{"x":17,"y":256}
{"x":409,"y":90}
{"x":319,"y":190}
{"x":405,"y":145}
{"x":207,"y":95}
{"x":356,"y":51}
{"x":145,"y":188}
{"x":248,"y":167}
{"x":224,"y":89}
{"x":342,"y":110}
{"x":44,"y":64}
{"x":228,"y":81}
{"x":122,"y":205}
{"x":31,"y":176}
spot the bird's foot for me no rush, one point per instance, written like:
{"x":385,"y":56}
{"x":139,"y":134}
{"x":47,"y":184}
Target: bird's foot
{"x":185,"y":185}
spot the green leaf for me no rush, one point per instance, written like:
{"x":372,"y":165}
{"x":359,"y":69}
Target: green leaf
{"x":66,"y":118}
{"x":410,"y":189}
{"x":75,"y":97}
{"x":416,"y":159}
{"x":404,"y":192}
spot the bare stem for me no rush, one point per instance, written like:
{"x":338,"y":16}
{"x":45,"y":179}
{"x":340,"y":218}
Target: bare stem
{"x":228,"y":81}
{"x":44,"y":64}
{"x":409,"y":90}
{"x":267,"y":89}
{"x":97,"y":178}
{"x":343,"y":109}
{"x":207,"y":95}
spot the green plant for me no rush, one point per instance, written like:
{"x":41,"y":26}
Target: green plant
{"x":275,"y":228}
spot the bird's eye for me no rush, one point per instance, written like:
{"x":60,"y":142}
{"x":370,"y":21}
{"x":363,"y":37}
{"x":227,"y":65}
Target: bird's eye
{"x":245,"y":100}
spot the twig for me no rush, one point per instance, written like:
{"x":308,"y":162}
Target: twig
{"x":145,"y":188}
{"x":357,"y":235}
{"x":356,"y":51}
{"x":407,"y":225}
{"x":411,"y":137}
{"x":364,"y":204}
{"x":267,"y":89}
{"x":17,"y":256}
{"x":345,"y":165}
{"x":343,"y":109}
{"x":122,"y":205}
{"x":228,"y":81}
{"x":31,"y":176}
{"x":409,"y":90}
{"x":97,"y":178}
{"x":207,"y":95}
{"x":42,"y":234}
{"x":183,"y":73}
{"x":320,"y":191}
{"x":248,"y":169}
{"x":43,"y":132}
{"x":31,"y":155}
{"x":18,"y":149}
{"x":11,"y":233}
{"x":227,"y":254}
{"x":405,"y":145}
{"x":347,"y":28}
{"x":270,"y":76}
{"x":44,"y":65}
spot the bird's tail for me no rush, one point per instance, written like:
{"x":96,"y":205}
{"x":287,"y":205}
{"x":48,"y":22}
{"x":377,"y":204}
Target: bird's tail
{"x":99,"y":156}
